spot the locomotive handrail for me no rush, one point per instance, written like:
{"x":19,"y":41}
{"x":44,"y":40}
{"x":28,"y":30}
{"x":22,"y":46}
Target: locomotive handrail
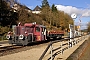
{"x":52,"y":42}
{"x":32,"y":36}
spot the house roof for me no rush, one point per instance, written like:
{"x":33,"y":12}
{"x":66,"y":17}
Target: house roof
{"x":37,"y":8}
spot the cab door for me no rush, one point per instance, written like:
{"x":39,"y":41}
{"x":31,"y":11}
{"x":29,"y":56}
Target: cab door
{"x":37,"y":33}
{"x":43,"y":33}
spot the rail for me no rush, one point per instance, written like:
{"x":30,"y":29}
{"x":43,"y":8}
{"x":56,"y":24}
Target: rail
{"x":64,"y":45}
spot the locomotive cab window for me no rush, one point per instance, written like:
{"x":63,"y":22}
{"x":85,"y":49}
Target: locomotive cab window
{"x":37,"y":29}
{"x":29,"y":29}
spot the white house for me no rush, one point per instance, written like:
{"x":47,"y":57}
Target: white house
{"x":36,"y":10}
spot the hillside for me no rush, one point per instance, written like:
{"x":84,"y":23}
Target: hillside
{"x":49,"y":16}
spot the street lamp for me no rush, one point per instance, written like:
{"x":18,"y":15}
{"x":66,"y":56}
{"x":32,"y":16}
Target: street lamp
{"x":74,"y":16}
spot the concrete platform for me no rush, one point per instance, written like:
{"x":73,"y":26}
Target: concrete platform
{"x":35,"y":53}
{"x":68,"y":52}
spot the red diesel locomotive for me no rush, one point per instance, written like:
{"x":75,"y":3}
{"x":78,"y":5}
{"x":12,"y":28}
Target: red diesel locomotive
{"x":31,"y":32}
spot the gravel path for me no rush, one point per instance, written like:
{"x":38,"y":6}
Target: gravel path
{"x":86,"y":54}
{"x":25,"y":55}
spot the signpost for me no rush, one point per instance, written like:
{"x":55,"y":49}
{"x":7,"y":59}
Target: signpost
{"x":74,"y":16}
{"x":72,"y":30}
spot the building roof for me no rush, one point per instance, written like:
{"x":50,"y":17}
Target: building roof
{"x":37,"y":8}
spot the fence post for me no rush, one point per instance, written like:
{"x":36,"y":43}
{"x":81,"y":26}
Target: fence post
{"x":61,"y":47}
{"x":51,"y":52}
{"x":73,"y":42}
{"x":81,"y":37}
{"x":69,"y":43}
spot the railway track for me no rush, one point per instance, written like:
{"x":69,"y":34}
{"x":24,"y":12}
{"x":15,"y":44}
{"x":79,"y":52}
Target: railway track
{"x":6,"y":50}
{"x":9,"y":50}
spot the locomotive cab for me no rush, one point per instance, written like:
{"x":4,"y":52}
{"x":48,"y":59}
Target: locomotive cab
{"x":40,"y":33}
{"x":22,"y":35}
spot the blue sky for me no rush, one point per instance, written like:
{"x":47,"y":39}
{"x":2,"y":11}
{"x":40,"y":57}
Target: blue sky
{"x":79,"y":3}
{"x":80,"y":7}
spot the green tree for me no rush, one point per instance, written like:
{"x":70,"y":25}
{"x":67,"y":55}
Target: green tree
{"x":45,"y":3}
{"x":46,"y":13}
{"x":22,"y":15}
{"x":7,"y":14}
{"x":54,"y":9}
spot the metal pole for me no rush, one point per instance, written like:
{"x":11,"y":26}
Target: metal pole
{"x":74,"y":27}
